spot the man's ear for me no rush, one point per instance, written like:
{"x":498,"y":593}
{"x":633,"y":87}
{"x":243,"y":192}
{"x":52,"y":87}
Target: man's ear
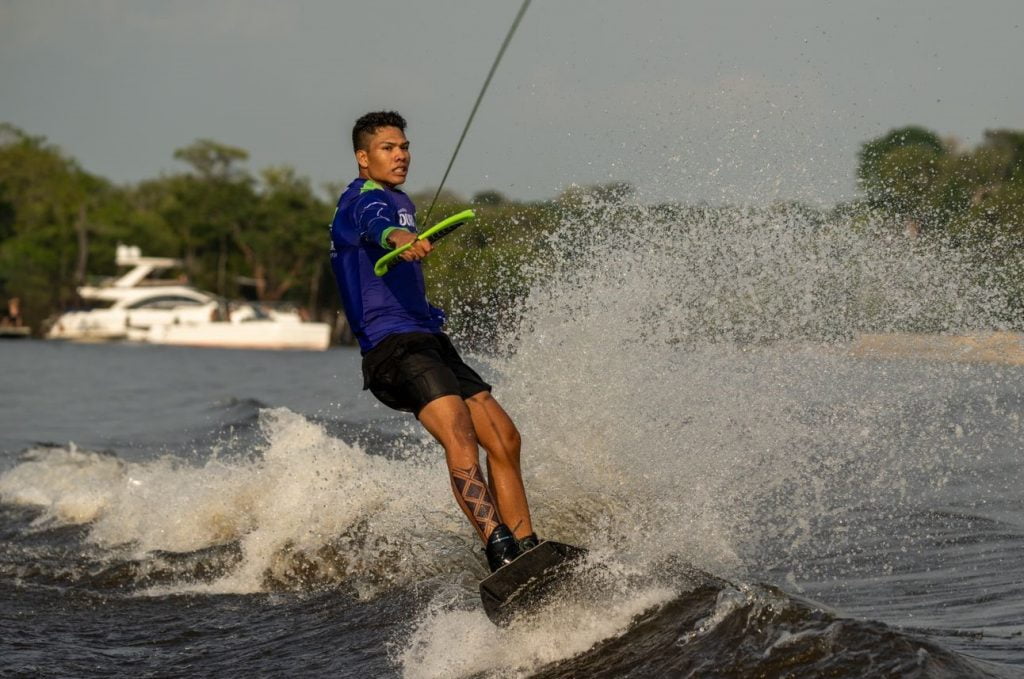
{"x":363,"y":158}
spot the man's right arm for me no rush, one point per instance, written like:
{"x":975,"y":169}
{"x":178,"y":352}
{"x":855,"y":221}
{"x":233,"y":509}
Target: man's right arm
{"x":377,"y":221}
{"x":400,"y":237}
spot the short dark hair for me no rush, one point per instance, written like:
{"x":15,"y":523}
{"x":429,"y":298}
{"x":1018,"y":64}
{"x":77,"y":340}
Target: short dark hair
{"x":368,"y":125}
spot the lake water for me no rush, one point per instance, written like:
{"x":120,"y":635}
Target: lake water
{"x":757,"y":502}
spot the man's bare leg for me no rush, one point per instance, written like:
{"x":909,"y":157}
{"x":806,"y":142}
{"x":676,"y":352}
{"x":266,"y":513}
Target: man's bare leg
{"x":496,"y":432}
{"x":448,"y":420}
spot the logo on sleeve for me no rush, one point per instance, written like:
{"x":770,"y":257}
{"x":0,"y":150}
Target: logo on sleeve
{"x":405,"y":218}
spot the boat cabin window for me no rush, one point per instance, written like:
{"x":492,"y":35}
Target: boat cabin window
{"x":258,"y":314}
{"x":165,"y":302}
{"x":90,"y":304}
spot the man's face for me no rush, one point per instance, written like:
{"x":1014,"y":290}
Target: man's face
{"x":387,"y":159}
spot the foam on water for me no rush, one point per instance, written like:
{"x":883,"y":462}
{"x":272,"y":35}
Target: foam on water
{"x":670,"y":369}
{"x":682,"y":379}
{"x":71,"y":486}
{"x":450,"y":641}
{"x":298,"y":501}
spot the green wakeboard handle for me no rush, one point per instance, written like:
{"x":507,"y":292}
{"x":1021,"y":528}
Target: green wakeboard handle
{"x":433,"y":234}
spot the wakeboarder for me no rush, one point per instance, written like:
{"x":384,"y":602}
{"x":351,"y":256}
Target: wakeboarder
{"x":409,"y":363}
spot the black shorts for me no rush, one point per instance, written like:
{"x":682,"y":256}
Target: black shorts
{"x":408,"y":370}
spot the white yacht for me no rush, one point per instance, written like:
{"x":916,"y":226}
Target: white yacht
{"x":135,"y":307}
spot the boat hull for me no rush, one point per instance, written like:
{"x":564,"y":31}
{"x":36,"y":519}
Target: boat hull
{"x":248,"y":335}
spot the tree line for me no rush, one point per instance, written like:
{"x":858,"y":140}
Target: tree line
{"x":260,"y":236}
{"x":934,"y":185}
{"x":937,"y":189}
{"x":264,"y":236}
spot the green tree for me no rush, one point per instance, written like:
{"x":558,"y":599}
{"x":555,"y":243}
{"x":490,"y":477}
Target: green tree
{"x":975,"y":196}
{"x":285,"y":240}
{"x":49,"y":210}
{"x":211,"y":203}
{"x":489,"y":197}
{"x":213,"y":160}
{"x":902,"y":173}
{"x":989,"y":181}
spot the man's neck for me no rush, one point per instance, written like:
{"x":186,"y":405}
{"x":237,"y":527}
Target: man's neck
{"x":363,"y":175}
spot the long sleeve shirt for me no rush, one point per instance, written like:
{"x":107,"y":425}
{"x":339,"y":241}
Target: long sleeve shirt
{"x":377,"y":306}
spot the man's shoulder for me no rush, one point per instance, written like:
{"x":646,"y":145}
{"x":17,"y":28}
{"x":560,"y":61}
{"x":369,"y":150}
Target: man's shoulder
{"x":364,"y":195}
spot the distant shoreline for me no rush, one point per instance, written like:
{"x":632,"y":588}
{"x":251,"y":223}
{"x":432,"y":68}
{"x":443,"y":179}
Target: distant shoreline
{"x":1004,"y":348}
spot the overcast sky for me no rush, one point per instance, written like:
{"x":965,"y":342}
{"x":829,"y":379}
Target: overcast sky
{"x":697,"y":100}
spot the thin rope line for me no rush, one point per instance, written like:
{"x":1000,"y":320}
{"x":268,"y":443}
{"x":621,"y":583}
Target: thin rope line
{"x":479,"y":98}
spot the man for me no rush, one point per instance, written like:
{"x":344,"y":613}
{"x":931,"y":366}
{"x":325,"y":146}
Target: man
{"x":408,"y":362}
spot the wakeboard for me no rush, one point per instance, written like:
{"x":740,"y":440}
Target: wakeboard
{"x":528,"y":581}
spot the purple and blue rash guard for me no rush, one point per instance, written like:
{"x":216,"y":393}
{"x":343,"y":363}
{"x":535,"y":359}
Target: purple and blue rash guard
{"x":377,"y":306}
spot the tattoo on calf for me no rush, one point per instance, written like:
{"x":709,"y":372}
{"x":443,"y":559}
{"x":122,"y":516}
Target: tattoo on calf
{"x":472,"y":492}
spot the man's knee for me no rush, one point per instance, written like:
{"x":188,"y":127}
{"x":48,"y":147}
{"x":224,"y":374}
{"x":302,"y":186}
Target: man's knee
{"x":460,"y":431}
{"x":488,"y":413}
{"x":448,"y":419}
{"x":507,"y":448}
{"x":512,"y":442}
{"x":463,"y":432}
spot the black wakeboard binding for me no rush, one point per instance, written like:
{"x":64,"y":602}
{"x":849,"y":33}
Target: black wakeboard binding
{"x":529,"y":542}
{"x":502,"y":547}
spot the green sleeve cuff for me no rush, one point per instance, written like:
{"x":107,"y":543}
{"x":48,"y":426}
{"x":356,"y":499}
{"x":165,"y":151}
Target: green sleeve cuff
{"x":386,"y":232}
